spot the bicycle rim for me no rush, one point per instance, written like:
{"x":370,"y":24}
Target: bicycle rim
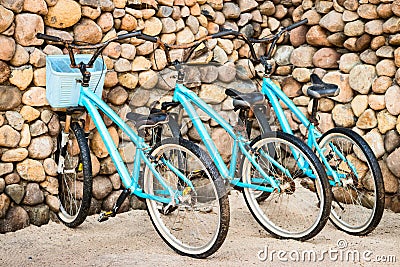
{"x":302,"y":208}
{"x":198,"y":224}
{"x":358,"y":204}
{"x":75,"y":181}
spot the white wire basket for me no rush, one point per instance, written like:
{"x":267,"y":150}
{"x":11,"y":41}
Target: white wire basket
{"x":62,"y":88}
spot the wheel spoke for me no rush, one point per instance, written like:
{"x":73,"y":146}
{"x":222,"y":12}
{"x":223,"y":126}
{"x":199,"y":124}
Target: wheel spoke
{"x":294,"y":210}
{"x":196,"y":226}
{"x":73,"y":196}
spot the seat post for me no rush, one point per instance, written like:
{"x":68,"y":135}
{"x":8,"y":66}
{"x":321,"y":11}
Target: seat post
{"x":313,"y":118}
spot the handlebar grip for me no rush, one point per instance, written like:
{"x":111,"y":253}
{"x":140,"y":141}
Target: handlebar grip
{"x":224,"y":33}
{"x":48,"y":37}
{"x":128,"y":35}
{"x":297,"y":24}
{"x":147,"y":38}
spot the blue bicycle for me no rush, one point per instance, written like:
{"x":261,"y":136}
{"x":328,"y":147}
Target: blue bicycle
{"x":352,"y":168}
{"x":185,"y":195}
{"x":283,"y":183}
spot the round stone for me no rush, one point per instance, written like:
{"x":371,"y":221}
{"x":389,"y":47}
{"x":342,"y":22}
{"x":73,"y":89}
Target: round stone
{"x":348,"y":61}
{"x":17,"y":218}
{"x":333,"y":21}
{"x":392,"y":97}
{"x":317,"y":36}
{"x":26,"y":27}
{"x":128,"y":80}
{"x":367,"y":120}
{"x":4,"y":72}
{"x":10,"y":97}
{"x":31,"y":170}
{"x":14,"y":155}
{"x":381,"y":84}
{"x":40,"y":147}
{"x":376,"y":102}
{"x":212,"y":93}
{"x":141,"y":63}
{"x":386,"y":121}
{"x":152,"y":26}
{"x":128,"y":51}
{"x":102,"y":186}
{"x":35,"y":97}
{"x":117,"y":96}
{"x":343,"y":116}
{"x":9,"y":137}
{"x":148,"y":79}
{"x":113,"y":50}
{"x":302,"y":56}
{"x":375,"y":140}
{"x":33,"y":195}
{"x":361,"y":78}
{"x":105,"y":21}
{"x":88,"y":31}
{"x":64,"y":14}
{"x":22,"y":77}
{"x":122,"y":65}
{"x":326,"y":58}
{"x":7,"y":18}
{"x":50,"y":167}
{"x":8,"y":48}
{"x":184,"y":36}
{"x":21,"y":56}
{"x":359,"y":104}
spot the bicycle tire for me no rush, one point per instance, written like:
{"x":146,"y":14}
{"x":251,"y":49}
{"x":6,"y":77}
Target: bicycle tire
{"x":262,"y":120}
{"x":363,"y":214}
{"x":75,"y":181}
{"x":279,"y":212}
{"x":206,"y":207}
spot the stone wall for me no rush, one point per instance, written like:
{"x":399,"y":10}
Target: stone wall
{"x":349,"y":42}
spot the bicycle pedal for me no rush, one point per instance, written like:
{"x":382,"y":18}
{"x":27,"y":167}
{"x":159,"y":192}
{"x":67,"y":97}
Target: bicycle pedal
{"x":167,"y":209}
{"x":105,"y":215}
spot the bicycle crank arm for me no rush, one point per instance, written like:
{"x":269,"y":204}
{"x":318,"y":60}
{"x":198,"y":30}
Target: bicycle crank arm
{"x":105,"y":215}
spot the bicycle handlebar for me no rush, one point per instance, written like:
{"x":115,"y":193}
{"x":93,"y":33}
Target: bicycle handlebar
{"x":100,"y":47}
{"x":127,"y":35}
{"x":250,"y":41}
{"x":148,"y":38}
{"x":166,"y":47}
{"x":297,"y":24}
{"x":49,"y":37}
{"x":225,"y":33}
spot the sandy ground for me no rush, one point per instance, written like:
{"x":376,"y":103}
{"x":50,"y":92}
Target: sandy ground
{"x":129,"y":240}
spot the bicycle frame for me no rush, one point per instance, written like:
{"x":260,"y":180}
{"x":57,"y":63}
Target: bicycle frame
{"x":274,"y":94}
{"x":92,"y":103}
{"x":188,"y":100}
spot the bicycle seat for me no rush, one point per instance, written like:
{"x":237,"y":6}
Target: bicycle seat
{"x":244,"y":100}
{"x":147,"y":120}
{"x":319,"y":89}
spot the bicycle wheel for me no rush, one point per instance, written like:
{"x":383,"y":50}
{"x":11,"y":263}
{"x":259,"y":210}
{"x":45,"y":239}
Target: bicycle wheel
{"x":198,"y":224}
{"x":263,"y":122}
{"x":301,"y":208}
{"x":75,"y":176}
{"x":358,"y":204}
